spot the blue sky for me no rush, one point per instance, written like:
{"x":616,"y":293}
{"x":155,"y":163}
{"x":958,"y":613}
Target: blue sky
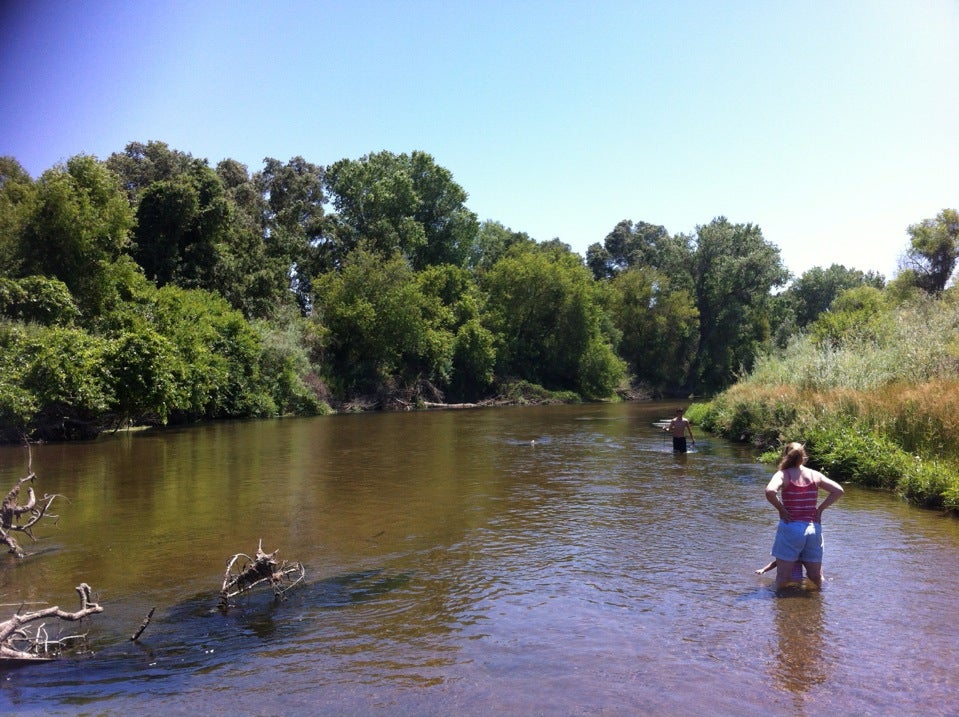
{"x":831,"y":125}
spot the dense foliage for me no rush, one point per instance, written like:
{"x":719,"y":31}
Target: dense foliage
{"x":151,"y":288}
{"x":871,"y":389}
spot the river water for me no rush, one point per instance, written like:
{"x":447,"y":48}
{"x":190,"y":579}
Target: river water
{"x":524,"y":561}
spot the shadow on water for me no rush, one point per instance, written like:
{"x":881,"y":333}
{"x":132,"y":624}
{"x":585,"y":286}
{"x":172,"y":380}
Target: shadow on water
{"x":258,"y":613}
{"x":195,"y":637}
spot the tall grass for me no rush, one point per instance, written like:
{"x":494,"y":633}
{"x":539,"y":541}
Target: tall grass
{"x":882,"y":412}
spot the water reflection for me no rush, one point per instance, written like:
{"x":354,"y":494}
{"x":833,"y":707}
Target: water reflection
{"x":799,"y":664}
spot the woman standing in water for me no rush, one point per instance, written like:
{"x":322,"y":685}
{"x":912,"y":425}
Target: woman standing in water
{"x":794,"y":491}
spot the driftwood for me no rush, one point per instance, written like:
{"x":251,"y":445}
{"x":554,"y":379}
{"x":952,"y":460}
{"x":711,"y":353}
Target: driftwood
{"x":143,"y":625}
{"x":244,"y":573}
{"x":20,"y":640}
{"x":11,"y":511}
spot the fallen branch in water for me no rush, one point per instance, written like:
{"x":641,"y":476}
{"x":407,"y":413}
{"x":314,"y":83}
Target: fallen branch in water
{"x":143,"y":625}
{"x":21,"y":641}
{"x":11,"y":511}
{"x":244,"y":573}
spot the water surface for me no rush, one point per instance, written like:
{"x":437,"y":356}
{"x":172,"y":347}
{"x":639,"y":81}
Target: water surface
{"x":556,"y":560}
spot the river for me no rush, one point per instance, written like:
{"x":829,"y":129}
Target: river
{"x":525,"y":561}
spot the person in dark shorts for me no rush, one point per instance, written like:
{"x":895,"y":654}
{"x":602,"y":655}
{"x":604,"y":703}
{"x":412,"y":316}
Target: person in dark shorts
{"x":679,"y":427}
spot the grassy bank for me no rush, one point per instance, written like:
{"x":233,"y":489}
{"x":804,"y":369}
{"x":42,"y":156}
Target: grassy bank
{"x":880,"y":411}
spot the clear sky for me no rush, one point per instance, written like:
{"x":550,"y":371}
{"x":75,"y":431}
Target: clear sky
{"x":831,"y":125}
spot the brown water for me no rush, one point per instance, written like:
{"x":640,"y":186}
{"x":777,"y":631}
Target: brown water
{"x":456,"y":568}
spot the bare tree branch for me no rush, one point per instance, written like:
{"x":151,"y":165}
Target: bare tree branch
{"x":244,"y":573}
{"x":22,"y":643}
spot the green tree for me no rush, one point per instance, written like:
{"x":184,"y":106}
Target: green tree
{"x":733,"y":270}
{"x":382,"y":329}
{"x":453,"y":307}
{"x":17,"y":204}
{"x":543,"y":309}
{"x":933,"y":251}
{"x":182,"y":224}
{"x":78,"y":230}
{"x":398,"y":203}
{"x":204,"y":228}
{"x":216,"y":356}
{"x":658,"y":326}
{"x":492,"y":243}
{"x":290,"y":377}
{"x":63,"y":372}
{"x":857,"y":316}
{"x":813,"y":292}
{"x":254,"y":260}
{"x":141,"y":165}
{"x":295,"y":221}
{"x":37,"y":299}
{"x":140,"y":370}
{"x":629,"y":244}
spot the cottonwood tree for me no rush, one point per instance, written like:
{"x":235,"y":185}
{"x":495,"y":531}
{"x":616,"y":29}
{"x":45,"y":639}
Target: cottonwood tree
{"x":658,"y":326}
{"x":933,"y":252}
{"x":733,"y":270}
{"x":544,"y":311}
{"x":812,"y":293}
{"x":402,"y":203}
{"x":77,"y":231}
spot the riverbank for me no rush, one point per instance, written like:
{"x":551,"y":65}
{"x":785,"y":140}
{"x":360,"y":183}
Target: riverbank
{"x":898,"y":438}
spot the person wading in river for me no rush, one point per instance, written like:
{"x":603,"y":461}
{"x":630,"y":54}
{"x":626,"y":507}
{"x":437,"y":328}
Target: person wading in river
{"x":679,"y":427}
{"x":794,"y":491}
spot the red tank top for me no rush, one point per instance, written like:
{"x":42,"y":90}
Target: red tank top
{"x":799,"y":500}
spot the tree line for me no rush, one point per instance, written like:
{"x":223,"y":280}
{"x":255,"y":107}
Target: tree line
{"x":150,"y":287}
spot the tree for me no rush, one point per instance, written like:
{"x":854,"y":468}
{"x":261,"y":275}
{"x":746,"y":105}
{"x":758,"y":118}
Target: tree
{"x":141,"y":373}
{"x":383,"y":330}
{"x":812,"y":293}
{"x":733,"y":269}
{"x":492,"y":243}
{"x":37,"y":299}
{"x":296,"y":233}
{"x":253,"y":260}
{"x":17,"y":204}
{"x":204,"y":228}
{"x":629,"y":244}
{"x":857,"y":316}
{"x":141,"y":165}
{"x":64,"y":377}
{"x":453,"y":307}
{"x":78,"y":229}
{"x":182,"y":224}
{"x":398,"y":203}
{"x":658,"y":326}
{"x":543,"y":309}
{"x":216,"y":356}
{"x":933,"y":251}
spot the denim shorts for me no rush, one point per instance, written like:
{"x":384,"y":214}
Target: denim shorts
{"x":798,"y":540}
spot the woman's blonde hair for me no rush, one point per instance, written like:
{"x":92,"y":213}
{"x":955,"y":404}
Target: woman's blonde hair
{"x":794,"y":455}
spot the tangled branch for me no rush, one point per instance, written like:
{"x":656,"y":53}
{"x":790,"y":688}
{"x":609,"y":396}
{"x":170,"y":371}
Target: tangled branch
{"x":19,"y":640}
{"x":11,"y":511}
{"x":244,"y":573}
